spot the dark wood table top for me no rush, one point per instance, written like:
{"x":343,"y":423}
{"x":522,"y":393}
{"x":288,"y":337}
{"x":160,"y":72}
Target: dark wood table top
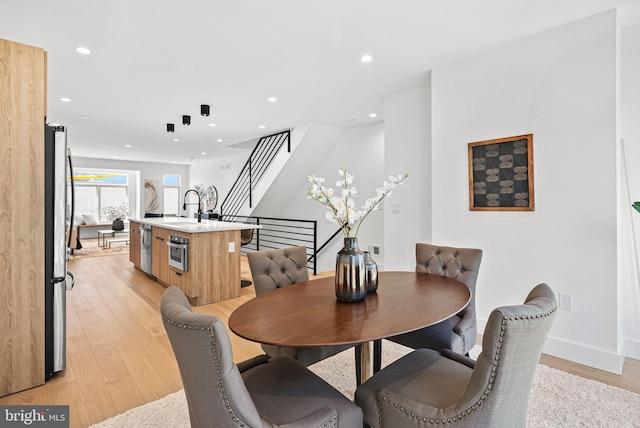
{"x":308,"y":313}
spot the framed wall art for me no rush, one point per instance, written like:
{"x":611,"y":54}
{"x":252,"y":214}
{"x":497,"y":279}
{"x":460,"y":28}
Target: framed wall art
{"x":501,"y":174}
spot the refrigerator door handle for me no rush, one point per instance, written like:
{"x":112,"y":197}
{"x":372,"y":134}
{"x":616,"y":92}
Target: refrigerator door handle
{"x":73,"y":202}
{"x":60,"y":205}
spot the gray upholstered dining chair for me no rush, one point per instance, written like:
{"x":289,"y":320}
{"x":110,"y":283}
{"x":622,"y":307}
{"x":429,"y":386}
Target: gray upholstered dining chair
{"x":261,"y":392}
{"x":272,"y":269}
{"x":459,"y":332}
{"x":427,"y":388}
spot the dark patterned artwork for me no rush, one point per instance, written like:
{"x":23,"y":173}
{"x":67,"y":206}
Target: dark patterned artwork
{"x":501,"y":174}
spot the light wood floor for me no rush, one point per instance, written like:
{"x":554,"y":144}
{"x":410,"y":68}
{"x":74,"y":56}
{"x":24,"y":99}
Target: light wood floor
{"x":118,"y":355}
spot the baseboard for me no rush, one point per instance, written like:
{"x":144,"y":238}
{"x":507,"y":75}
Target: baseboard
{"x":632,"y":349}
{"x":577,"y":353}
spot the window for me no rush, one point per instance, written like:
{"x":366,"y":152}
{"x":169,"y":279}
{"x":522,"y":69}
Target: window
{"x":171,"y":186}
{"x":104,"y":194}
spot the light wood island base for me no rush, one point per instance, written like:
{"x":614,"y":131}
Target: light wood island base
{"x":213,"y":272}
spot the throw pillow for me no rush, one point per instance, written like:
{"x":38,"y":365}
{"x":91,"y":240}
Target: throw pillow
{"x":78,"y":219}
{"x":89,"y":219}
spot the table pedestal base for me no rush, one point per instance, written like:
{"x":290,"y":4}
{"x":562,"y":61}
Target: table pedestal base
{"x":368,"y":364}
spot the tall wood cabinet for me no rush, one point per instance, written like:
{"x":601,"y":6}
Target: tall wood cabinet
{"x":22,"y":117}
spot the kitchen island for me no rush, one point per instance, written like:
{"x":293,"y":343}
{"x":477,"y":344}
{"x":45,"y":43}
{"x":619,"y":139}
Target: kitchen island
{"x":206,"y":269}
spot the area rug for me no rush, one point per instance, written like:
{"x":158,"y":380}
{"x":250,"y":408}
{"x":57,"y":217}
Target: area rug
{"x":90,"y":248}
{"x":557,"y":399}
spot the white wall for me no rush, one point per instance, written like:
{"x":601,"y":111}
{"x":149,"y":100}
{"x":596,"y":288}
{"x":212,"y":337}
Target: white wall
{"x":561,"y":87}
{"x":221,"y":172}
{"x":407,"y":149}
{"x":148,"y":170}
{"x":630,"y":99}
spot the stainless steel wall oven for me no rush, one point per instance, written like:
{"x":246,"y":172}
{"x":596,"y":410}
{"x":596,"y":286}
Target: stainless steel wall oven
{"x":178,"y":252}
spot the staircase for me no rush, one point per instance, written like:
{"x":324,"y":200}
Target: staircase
{"x":272,"y":186}
{"x":265,"y":182}
{"x":241,"y":195}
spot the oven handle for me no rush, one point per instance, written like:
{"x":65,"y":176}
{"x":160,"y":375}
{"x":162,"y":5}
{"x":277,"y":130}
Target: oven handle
{"x":179,"y":246}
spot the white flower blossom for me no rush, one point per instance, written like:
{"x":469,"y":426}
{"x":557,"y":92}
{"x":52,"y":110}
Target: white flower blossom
{"x":113,"y":212}
{"x":342,"y":204}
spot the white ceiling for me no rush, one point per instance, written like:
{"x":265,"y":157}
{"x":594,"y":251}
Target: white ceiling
{"x":154,"y":60}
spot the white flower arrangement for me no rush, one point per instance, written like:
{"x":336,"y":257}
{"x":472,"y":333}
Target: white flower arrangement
{"x":113,"y":212}
{"x":342,"y":206}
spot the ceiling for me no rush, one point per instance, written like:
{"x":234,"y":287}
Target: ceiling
{"x":153,"y":61}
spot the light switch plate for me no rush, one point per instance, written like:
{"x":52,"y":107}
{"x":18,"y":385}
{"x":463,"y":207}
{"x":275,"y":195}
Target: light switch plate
{"x":565,"y":301}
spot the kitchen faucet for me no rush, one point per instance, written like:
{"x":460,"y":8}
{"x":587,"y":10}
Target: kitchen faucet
{"x":184,"y":206}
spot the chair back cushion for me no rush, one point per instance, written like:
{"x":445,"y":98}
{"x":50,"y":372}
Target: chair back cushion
{"x":462,"y":264}
{"x":511,"y":347}
{"x":212,"y":383}
{"x":278,"y":268}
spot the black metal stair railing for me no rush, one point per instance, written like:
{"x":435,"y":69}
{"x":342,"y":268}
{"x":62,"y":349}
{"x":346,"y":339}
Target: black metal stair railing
{"x":259,"y":161}
{"x":275,"y":233}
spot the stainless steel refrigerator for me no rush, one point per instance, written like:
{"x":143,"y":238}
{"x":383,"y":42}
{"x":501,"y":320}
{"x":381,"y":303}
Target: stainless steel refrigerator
{"x":58,"y":224}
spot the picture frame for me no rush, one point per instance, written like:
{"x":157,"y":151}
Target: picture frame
{"x":501,"y":174}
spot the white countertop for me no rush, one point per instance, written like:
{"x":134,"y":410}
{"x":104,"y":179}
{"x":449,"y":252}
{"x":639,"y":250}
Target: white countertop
{"x":191,"y":225}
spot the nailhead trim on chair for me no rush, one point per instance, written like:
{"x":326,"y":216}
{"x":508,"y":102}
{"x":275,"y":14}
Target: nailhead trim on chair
{"x":216,"y":363}
{"x":478,"y":403}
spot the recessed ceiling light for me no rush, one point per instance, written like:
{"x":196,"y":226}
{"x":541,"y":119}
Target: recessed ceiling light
{"x":212,"y":124}
{"x":219,"y":140}
{"x":173,"y":161}
{"x":175,"y":140}
{"x":65,"y":100}
{"x":373,"y":115}
{"x":261,"y":126}
{"x":203,"y":153}
{"x":83,"y":50}
{"x":115,"y":157}
{"x":272,"y":99}
{"x":366,"y":58}
{"x":127,"y":145}
{"x":84,"y":117}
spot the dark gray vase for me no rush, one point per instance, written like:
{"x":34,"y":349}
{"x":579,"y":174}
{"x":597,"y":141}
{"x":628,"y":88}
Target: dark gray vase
{"x":371,"y":276}
{"x":118,"y":224}
{"x":350,"y":273}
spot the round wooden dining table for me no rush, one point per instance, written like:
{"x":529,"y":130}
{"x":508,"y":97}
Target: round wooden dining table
{"x":308,"y":313}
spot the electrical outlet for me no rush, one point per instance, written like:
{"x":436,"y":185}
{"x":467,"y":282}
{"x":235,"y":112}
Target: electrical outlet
{"x":232,"y":247}
{"x":375,"y":250}
{"x":565,"y":301}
